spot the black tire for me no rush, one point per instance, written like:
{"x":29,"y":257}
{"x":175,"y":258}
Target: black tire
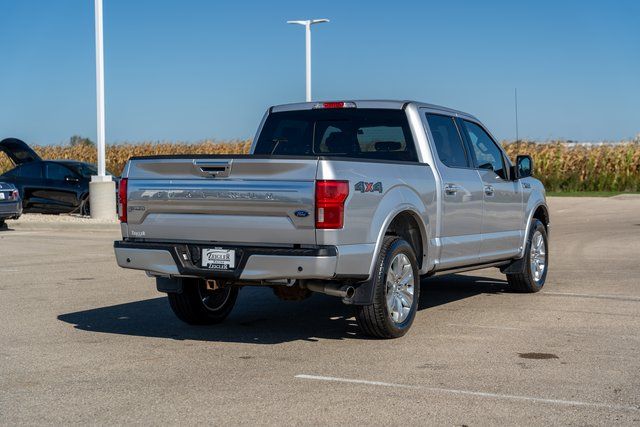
{"x":3,"y":224}
{"x":376,"y":319}
{"x":526,"y":281}
{"x":85,"y":207}
{"x":196,"y":305}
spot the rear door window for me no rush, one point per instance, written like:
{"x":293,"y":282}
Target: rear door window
{"x":31,"y":171}
{"x":448,"y":141}
{"x":362,"y":133}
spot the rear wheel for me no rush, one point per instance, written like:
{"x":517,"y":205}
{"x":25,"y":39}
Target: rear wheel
{"x":199,"y":305}
{"x":2,"y":224}
{"x":396,"y":292}
{"x":536,"y":261}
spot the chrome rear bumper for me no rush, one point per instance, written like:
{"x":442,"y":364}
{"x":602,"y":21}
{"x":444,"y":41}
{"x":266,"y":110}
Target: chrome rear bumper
{"x":252,"y":263}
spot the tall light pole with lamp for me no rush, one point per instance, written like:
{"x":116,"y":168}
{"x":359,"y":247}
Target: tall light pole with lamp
{"x":307,"y":27}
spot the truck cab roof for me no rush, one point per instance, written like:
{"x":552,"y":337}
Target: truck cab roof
{"x":390,"y":104}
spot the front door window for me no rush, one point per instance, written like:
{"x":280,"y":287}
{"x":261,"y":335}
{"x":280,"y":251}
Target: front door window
{"x":484,"y":149}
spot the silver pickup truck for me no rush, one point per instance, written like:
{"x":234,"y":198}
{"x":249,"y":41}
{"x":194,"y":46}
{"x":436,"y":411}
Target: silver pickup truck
{"x":355,"y":199}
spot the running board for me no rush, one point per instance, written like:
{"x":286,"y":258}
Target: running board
{"x":470,"y":267}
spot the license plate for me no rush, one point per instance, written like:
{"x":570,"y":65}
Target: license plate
{"x":219,"y":259}
{"x":1,"y":195}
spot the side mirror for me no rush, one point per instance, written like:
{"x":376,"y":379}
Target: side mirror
{"x":71,"y":179}
{"x":524,"y":167}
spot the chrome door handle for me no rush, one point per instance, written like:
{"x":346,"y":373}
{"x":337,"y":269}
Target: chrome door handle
{"x":488,"y":190}
{"x":451,"y":189}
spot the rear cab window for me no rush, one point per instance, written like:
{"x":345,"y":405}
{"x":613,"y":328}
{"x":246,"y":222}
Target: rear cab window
{"x":366,"y":133}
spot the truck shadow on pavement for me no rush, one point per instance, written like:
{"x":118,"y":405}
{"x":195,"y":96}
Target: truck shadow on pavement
{"x":260,"y":318}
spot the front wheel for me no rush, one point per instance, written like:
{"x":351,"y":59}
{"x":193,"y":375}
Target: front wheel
{"x":396,"y":291}
{"x":199,"y":305}
{"x":85,"y":208}
{"x":536,"y":261}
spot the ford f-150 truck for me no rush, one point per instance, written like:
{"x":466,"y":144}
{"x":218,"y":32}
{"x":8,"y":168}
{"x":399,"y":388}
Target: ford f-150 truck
{"x":357,"y":199}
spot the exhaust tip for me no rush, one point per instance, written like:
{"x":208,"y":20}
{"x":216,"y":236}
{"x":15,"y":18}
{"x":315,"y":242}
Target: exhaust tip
{"x":349,"y":291}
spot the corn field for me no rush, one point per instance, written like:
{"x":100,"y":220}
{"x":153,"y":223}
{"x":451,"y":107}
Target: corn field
{"x":118,"y":154}
{"x":561,"y":167}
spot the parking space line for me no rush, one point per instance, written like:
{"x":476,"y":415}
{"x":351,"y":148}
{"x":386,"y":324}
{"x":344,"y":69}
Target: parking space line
{"x":599,"y":296}
{"x":507,"y":328}
{"x":474,"y":393}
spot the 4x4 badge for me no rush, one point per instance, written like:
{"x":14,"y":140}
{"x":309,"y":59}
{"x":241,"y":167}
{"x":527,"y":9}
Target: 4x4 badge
{"x":368,"y":187}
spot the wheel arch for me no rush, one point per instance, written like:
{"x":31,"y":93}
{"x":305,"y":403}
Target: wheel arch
{"x":407,"y":222}
{"x":406,"y":225}
{"x":540,"y":211}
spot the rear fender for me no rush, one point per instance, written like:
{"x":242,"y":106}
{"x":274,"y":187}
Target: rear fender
{"x":396,"y":201}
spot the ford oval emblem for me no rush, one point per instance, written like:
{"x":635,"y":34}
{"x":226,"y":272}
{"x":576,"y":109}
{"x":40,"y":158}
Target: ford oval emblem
{"x":301,"y":214}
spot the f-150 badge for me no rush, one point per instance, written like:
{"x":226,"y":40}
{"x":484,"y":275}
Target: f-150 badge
{"x":368,"y":187}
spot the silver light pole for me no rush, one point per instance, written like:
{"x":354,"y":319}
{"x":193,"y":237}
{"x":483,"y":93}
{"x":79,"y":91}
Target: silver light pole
{"x":102,"y":198}
{"x":307,"y":27}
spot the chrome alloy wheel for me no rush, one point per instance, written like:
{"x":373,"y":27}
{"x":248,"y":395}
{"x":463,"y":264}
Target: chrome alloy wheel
{"x":400,"y":287}
{"x":538,"y":256}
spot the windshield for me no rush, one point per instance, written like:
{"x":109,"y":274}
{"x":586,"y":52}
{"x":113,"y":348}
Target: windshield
{"x":362,"y":133}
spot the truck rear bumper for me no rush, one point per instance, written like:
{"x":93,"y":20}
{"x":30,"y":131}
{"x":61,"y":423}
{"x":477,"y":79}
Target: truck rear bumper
{"x":252,"y":263}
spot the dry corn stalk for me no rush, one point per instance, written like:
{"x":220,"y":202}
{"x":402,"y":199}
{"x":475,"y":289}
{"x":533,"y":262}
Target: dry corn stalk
{"x":562,"y":167}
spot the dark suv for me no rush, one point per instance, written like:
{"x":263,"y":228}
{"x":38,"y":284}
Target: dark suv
{"x":47,"y":186}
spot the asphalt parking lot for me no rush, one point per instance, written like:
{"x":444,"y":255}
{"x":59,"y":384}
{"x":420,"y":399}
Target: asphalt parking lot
{"x":83,"y":341}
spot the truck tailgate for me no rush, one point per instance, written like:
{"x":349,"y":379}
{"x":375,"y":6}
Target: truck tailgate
{"x":221,"y":199}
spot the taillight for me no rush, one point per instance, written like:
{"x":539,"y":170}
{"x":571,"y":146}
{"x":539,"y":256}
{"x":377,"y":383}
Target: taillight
{"x":122,"y":200}
{"x":330,"y":198}
{"x":14,"y":195}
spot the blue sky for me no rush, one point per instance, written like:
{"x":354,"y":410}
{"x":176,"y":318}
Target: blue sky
{"x":194,"y":69}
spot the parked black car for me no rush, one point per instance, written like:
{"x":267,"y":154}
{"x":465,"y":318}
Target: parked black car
{"x":10,"y":203}
{"x":47,"y":186}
